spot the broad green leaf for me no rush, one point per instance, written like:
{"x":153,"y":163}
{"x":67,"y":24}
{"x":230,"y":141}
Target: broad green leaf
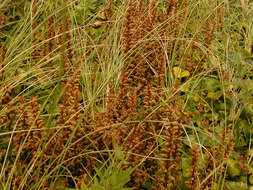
{"x":233,"y":168}
{"x":208,"y":141}
{"x":212,"y":84}
{"x":232,"y":185}
{"x":249,"y":109}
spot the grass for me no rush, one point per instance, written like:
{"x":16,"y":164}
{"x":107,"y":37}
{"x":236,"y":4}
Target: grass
{"x":103,"y":94}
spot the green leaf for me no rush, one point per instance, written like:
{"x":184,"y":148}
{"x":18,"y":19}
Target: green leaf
{"x":212,"y":84}
{"x":148,"y":185}
{"x":97,"y":187}
{"x":251,"y":179}
{"x":118,"y":152}
{"x":214,"y":95}
{"x":186,"y":165}
{"x":233,"y":168}
{"x":83,"y":186}
{"x":231,"y":185}
{"x":196,"y":98}
{"x":208,"y":141}
{"x":249,"y":109}
{"x":111,"y":177}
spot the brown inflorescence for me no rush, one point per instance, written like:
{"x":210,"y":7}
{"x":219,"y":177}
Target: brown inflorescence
{"x":193,"y":63}
{"x":7,"y":105}
{"x":34,"y":14}
{"x":7,"y":96}
{"x":29,"y":118}
{"x":139,"y":116}
{"x":193,"y":182}
{"x":137,"y":105}
{"x":51,"y":36}
{"x":28,"y":139}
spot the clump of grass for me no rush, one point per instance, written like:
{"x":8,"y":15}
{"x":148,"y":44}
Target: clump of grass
{"x":151,"y":87}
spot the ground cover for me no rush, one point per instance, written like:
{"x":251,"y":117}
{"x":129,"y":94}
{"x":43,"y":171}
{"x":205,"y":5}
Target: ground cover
{"x":109,"y":94}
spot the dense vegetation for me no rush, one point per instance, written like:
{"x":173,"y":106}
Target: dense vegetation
{"x":137,"y":94}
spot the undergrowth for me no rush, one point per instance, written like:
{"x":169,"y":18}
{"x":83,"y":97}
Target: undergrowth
{"x":138,"y":94}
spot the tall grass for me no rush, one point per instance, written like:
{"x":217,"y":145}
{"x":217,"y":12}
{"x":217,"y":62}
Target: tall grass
{"x":101,"y":94}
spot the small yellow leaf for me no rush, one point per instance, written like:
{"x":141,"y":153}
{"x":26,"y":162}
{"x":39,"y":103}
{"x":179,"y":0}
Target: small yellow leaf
{"x":185,"y":73}
{"x":179,"y":73}
{"x":97,"y":24}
